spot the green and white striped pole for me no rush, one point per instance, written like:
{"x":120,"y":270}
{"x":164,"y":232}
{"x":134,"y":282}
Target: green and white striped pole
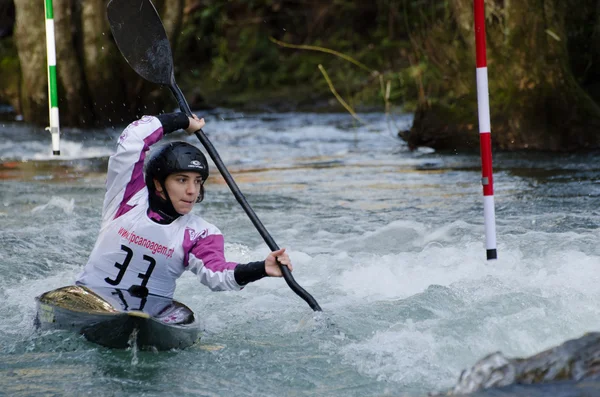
{"x":52,"y":86}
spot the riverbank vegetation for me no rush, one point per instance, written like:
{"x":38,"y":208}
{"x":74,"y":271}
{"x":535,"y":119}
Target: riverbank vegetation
{"x":543,"y":59}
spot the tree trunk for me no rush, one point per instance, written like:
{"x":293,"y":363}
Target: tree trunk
{"x":172,"y":17}
{"x":30,"y":39}
{"x":100,"y":60}
{"x":74,"y":101}
{"x":536,"y":102}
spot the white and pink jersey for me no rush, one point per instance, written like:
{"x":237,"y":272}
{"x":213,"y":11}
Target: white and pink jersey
{"x":134,"y":250}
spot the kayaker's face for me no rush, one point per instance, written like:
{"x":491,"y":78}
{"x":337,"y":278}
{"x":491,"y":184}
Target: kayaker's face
{"x":183,"y":189}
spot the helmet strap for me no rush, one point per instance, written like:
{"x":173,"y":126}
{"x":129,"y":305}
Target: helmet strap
{"x":162,"y":206}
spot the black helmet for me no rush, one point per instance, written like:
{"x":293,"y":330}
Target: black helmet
{"x":174,"y":157}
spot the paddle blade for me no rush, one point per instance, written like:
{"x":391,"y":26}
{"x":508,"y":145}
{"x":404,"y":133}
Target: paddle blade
{"x":141,"y":38}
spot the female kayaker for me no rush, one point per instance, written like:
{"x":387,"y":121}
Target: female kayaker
{"x":148,"y":236}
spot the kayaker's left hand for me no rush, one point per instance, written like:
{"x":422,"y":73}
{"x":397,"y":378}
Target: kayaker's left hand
{"x":271,"y":267}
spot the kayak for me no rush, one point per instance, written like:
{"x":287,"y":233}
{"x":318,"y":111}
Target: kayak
{"x":118,"y":318}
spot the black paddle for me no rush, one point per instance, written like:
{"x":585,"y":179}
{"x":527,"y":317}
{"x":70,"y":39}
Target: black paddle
{"x":141,"y":38}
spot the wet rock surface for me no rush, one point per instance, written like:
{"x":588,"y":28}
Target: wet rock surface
{"x":570,"y":369}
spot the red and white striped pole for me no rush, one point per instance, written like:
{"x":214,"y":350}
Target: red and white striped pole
{"x":485,"y":134}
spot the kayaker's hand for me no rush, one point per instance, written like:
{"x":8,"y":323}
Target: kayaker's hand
{"x":195,"y":124}
{"x":271,"y":267}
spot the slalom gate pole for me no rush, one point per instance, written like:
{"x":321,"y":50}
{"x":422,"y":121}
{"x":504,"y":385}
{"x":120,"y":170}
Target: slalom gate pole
{"x":52,"y":85}
{"x":483,"y":107}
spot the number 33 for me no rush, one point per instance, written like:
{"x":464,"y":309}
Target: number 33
{"x":123,"y":267}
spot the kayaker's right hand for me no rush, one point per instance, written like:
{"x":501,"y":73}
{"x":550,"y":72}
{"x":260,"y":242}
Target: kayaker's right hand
{"x":195,"y":124}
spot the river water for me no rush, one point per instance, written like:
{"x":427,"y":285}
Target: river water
{"x":389,"y":242}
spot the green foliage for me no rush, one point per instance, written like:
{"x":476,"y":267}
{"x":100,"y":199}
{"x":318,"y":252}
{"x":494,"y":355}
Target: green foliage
{"x":416,"y":47}
{"x":235,"y":55}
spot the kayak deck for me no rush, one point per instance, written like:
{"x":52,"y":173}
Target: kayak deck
{"x":81,"y":310}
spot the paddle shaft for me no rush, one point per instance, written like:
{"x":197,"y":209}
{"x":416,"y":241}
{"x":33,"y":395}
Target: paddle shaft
{"x":140,"y":36}
{"x":214,"y":155}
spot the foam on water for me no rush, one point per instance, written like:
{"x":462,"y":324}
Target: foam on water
{"x":457,"y":308}
{"x":37,"y":150}
{"x":390,"y":243}
{"x":417,"y":318}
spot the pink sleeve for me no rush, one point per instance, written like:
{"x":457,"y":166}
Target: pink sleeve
{"x":205,"y":257}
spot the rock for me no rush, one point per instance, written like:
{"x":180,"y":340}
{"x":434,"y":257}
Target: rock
{"x":572,"y":362}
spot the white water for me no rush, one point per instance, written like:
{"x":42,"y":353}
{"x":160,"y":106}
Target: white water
{"x":389,"y":242}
